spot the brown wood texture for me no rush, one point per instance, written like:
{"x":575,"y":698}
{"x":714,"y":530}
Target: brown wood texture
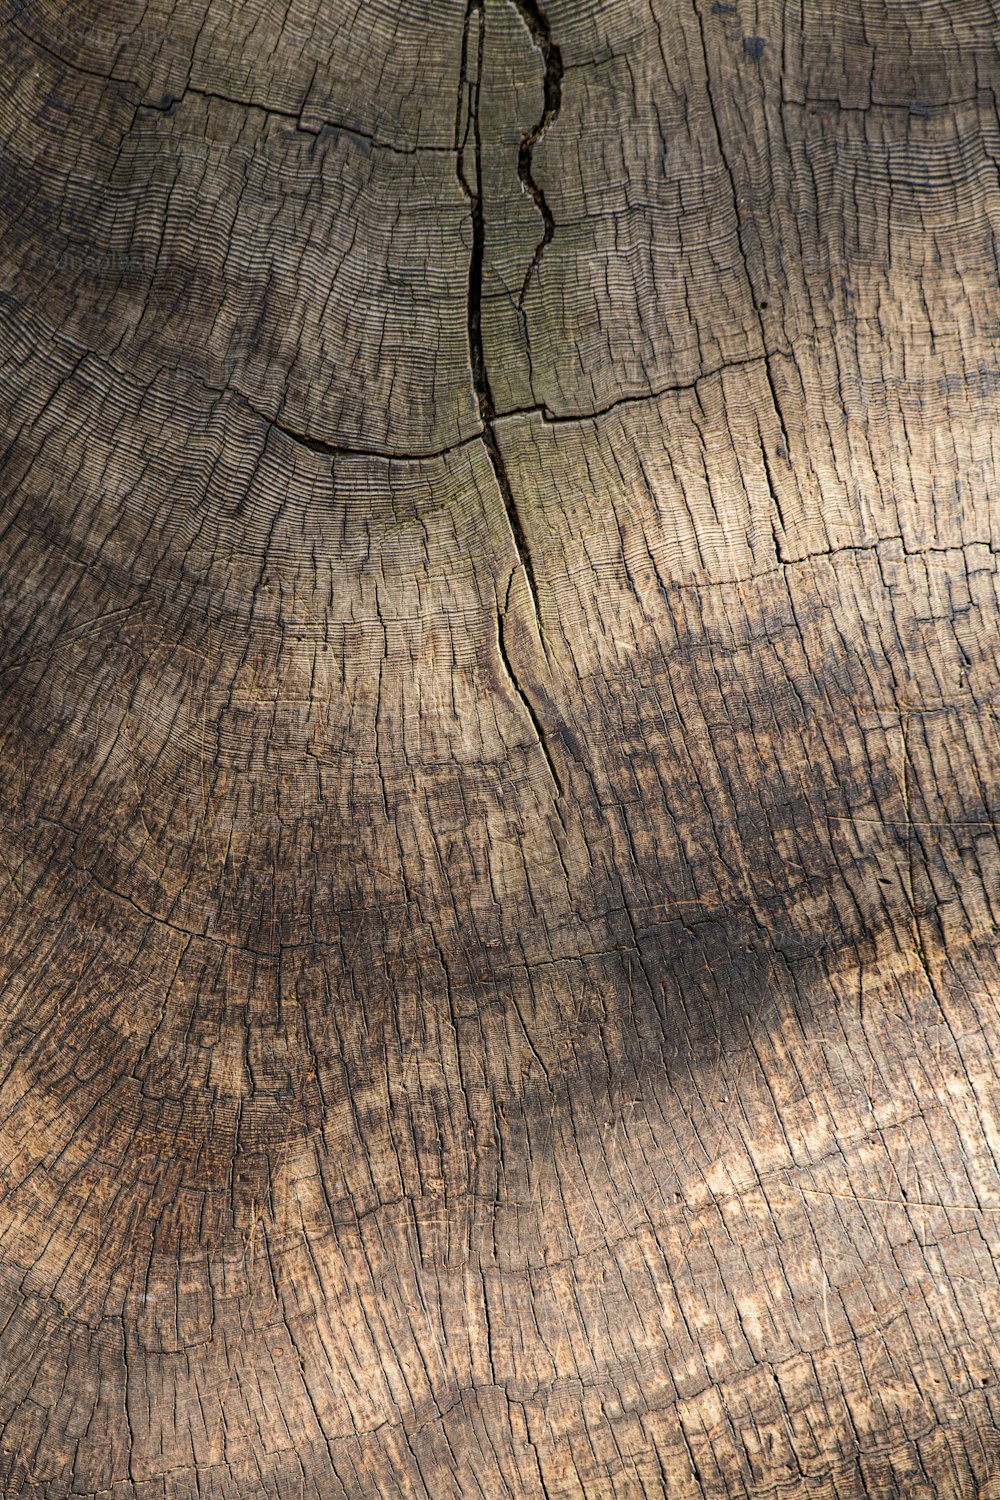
{"x":499,"y":749}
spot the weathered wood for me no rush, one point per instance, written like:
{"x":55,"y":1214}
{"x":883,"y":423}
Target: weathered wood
{"x":499,"y":722}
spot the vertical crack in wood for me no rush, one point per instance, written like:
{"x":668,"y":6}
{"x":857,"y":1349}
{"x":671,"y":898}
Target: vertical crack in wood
{"x":469,"y":93}
{"x":906,"y":765}
{"x":467,"y":122}
{"x":537,"y":23}
{"x":526,"y":702}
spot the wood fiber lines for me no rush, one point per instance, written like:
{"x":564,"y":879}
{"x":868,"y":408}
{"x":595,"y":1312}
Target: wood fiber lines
{"x":498,"y":750}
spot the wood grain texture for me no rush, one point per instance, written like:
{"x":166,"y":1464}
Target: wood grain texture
{"x":499,"y":750}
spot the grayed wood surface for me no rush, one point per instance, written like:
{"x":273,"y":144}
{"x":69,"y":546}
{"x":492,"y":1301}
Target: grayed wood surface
{"x":498,"y":749}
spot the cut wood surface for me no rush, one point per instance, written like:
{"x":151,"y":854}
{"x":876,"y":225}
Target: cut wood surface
{"x":499,"y":750}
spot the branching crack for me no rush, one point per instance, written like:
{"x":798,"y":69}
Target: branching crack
{"x":466,"y":122}
{"x":537,"y":23}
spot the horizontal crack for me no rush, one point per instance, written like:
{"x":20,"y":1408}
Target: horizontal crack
{"x":338,"y":127}
{"x":555,"y":419}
